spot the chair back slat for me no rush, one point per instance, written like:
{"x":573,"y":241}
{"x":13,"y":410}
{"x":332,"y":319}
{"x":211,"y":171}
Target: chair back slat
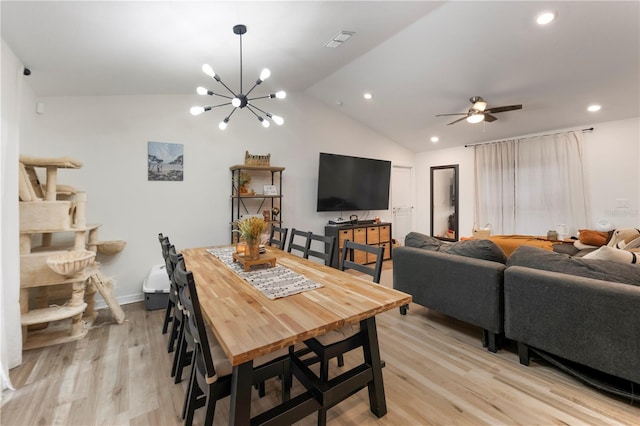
{"x":328,"y":247}
{"x":281,"y":239}
{"x":299,"y":241}
{"x":195,"y":321}
{"x":347,"y":263}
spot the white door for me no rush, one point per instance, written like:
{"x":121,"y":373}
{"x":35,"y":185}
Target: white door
{"x":402,"y":202}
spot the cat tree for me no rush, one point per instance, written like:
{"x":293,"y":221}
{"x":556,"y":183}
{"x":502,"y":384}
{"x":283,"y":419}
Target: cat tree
{"x":58,"y":279}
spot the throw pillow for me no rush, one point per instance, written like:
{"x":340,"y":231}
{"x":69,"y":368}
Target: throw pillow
{"x":536,"y":258}
{"x":418,"y":240}
{"x":593,"y":238}
{"x":623,"y":236}
{"x":613,"y":254}
{"x":478,"y":249}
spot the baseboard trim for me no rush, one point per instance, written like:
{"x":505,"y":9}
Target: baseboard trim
{"x":122,"y":300}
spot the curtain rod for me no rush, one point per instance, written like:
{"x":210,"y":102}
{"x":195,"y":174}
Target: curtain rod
{"x":590,"y":129}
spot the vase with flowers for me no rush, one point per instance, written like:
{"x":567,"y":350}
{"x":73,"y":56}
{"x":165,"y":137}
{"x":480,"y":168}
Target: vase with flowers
{"x":243,"y":179}
{"x":251,"y":230}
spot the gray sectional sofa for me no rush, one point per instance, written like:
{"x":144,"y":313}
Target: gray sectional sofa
{"x":589,"y":315}
{"x":582,"y":310}
{"x":467,"y":288}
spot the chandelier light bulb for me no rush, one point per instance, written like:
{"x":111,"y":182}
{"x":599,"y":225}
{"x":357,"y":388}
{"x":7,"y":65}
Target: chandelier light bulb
{"x":201,"y":91}
{"x":223,"y":124}
{"x":235,"y":102}
{"x":278,"y":120}
{"x":196,"y":110}
{"x":281,"y":94}
{"x":265,"y":74}
{"x":265,"y":123}
{"x":206,"y":68}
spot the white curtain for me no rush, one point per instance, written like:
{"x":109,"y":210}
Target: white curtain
{"x":530,"y":186}
{"x":10,"y":330}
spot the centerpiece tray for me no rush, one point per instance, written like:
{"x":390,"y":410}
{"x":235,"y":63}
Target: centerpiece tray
{"x":247,"y":264}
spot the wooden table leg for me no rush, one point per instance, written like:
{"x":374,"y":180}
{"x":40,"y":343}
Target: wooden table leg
{"x":240,"y":409}
{"x":377,"y":401}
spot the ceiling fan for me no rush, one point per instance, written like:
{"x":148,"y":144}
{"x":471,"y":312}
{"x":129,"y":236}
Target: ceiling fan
{"x":479,"y":111}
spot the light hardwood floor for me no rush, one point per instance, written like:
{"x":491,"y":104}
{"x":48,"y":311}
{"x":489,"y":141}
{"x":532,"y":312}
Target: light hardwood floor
{"x":437,"y":373}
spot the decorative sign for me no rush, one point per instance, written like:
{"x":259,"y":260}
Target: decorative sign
{"x":270,"y":190}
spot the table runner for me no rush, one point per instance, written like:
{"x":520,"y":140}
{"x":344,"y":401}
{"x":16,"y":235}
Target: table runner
{"x":273,"y":282}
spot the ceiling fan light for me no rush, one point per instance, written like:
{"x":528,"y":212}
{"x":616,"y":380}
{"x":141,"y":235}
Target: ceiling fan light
{"x":480,"y":106}
{"x":476,"y":117}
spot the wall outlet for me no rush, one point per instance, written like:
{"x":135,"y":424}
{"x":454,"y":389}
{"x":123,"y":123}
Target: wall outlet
{"x":622,"y":203}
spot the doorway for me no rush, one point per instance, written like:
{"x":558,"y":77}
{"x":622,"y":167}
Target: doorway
{"x":402,"y":202}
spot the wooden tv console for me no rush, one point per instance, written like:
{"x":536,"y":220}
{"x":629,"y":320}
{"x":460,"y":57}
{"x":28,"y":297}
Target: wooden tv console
{"x":376,"y":234}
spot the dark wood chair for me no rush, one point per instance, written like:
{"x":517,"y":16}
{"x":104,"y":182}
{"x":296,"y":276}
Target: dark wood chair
{"x":347,"y":259}
{"x":299,"y":241}
{"x":328,"y":247}
{"x":183,"y":351}
{"x":210,"y":378}
{"x":171,"y":300}
{"x":338,"y":342}
{"x":281,"y":239}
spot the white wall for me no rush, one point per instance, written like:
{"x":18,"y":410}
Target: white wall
{"x":110,"y":134}
{"x":611,"y":155}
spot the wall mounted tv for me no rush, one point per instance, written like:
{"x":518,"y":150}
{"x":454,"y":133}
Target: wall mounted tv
{"x":352,"y":183}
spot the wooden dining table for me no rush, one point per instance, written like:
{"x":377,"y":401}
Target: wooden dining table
{"x":249,"y":325}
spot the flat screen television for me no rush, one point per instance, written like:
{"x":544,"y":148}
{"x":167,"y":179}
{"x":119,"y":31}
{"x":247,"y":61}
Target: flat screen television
{"x":352,"y":183}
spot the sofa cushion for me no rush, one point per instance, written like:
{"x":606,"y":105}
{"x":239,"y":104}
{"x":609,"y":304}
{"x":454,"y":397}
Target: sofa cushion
{"x":533,"y":257}
{"x":478,"y":249}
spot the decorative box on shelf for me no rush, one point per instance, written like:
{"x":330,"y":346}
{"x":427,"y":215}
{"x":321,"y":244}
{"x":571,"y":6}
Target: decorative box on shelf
{"x":257,"y":160}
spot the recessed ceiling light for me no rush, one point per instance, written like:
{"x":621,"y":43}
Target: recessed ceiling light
{"x":545,"y":17}
{"x":434,"y":139}
{"x":368,"y":95}
{"x":594,"y":108}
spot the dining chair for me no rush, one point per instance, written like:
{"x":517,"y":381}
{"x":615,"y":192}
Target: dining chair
{"x":210,"y":378}
{"x":183,"y":352}
{"x":172,"y":303}
{"x":281,"y":240}
{"x":299,"y":241}
{"x":171,"y":300}
{"x":347,"y":338}
{"x":328,"y":247}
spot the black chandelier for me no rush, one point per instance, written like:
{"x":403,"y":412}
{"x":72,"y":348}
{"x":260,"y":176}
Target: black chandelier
{"x":239,"y":100}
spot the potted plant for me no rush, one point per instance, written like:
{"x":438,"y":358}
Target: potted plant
{"x":251,"y":230}
{"x":243,"y":180}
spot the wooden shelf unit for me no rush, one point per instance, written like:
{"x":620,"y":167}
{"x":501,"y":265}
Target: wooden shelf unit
{"x":243,"y":203}
{"x":377,"y":234}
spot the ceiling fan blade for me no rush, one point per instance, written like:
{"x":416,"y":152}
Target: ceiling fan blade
{"x":489,"y":118}
{"x":459,"y":119}
{"x":457,"y":113}
{"x":503,"y":109}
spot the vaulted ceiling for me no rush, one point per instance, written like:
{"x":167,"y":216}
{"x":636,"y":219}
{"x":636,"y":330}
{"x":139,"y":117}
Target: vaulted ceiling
{"x":417,"y":58}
